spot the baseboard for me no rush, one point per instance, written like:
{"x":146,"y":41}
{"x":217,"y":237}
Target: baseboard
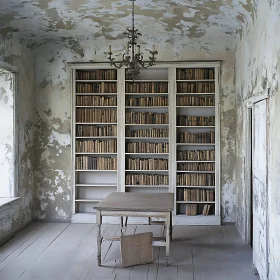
{"x":228,"y":223}
{"x":52,"y":220}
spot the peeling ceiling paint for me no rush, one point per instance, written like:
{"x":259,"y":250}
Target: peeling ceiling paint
{"x":163,"y":21}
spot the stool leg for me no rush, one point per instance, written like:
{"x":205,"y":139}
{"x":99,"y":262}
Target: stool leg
{"x":99,"y":237}
{"x":167,"y":226}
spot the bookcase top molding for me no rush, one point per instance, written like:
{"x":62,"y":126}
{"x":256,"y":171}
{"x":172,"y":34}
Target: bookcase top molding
{"x":159,"y":64}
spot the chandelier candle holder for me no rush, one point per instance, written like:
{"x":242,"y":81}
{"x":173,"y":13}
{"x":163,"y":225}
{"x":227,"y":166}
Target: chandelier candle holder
{"x":133,"y":57}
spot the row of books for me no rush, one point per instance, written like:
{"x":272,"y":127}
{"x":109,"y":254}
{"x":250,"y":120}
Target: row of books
{"x":95,"y":100}
{"x":146,"y":118}
{"x":196,"y":155}
{"x":96,"y":146}
{"x":146,"y":164}
{"x":96,"y":163}
{"x":96,"y":75}
{"x":195,"y":74}
{"x":146,"y":87}
{"x":195,"y":87}
{"x":193,"y":209}
{"x":98,"y":131}
{"x":200,"y":137}
{"x":195,"y":101}
{"x":147,"y":147}
{"x":184,"y":194}
{"x":146,"y":179}
{"x":148,"y":132}
{"x":194,"y":179}
{"x":96,"y":115}
{"x":98,"y":87}
{"x":147,"y":101}
{"x":185,"y":120}
{"x":195,"y":166}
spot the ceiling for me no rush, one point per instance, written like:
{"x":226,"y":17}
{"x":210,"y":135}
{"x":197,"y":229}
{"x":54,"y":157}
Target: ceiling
{"x":158,"y":20}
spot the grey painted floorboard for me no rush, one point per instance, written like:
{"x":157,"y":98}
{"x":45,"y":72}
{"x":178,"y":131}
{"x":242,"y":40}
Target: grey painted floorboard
{"x":55,"y":251}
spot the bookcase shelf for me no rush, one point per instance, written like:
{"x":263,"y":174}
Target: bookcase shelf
{"x":158,"y":170}
{"x":95,"y":170}
{"x":90,"y":123}
{"x":96,"y":137}
{"x":96,"y":185}
{"x":212,"y":80}
{"x":89,"y":106}
{"x":195,"y":126}
{"x":98,"y":93}
{"x":195,"y":144}
{"x":96,"y":81}
{"x":147,"y":186}
{"x":196,"y":161}
{"x":196,"y":96}
{"x":119,"y":125}
{"x":201,"y":202}
{"x":190,"y":171}
{"x":96,"y":153}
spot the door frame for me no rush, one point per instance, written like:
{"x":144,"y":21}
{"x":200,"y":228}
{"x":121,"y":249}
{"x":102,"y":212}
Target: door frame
{"x":248,"y":125}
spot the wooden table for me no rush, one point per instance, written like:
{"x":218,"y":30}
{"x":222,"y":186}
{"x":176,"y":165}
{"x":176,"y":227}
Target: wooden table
{"x":159,"y":205}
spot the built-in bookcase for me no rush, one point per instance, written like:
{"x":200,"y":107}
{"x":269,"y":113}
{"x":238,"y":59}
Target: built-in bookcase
{"x":157,"y":133}
{"x":147,"y":132}
{"x":195,"y":132}
{"x":95,"y":131}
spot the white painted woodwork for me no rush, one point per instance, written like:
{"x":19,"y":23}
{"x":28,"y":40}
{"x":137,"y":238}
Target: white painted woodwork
{"x":105,"y":182}
{"x":259,"y":163}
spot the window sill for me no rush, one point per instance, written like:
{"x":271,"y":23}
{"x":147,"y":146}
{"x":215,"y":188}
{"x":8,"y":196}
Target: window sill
{"x":4,"y":201}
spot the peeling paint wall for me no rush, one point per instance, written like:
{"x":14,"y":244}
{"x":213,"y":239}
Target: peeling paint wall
{"x":53,"y":189}
{"x":257,"y":68}
{"x":19,"y":213}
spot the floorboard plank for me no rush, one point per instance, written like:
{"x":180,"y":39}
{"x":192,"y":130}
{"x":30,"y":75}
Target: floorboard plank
{"x":19,"y":239}
{"x":61,"y":251}
{"x":38,"y":244}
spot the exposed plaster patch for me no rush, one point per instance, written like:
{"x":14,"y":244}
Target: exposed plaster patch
{"x":92,"y":19}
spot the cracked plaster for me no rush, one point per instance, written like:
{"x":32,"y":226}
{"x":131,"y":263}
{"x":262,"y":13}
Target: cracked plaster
{"x":257,"y":68}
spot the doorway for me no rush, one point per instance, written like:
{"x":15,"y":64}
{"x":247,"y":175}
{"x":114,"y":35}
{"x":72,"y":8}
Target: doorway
{"x":256,"y":180}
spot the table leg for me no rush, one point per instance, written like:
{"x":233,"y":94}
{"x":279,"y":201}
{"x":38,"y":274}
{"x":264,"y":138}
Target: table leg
{"x":99,"y":237}
{"x":167,"y":226}
{"x":171,"y":226}
{"x":123,"y":224}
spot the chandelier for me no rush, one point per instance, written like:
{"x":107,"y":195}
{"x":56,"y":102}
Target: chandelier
{"x":133,"y":57}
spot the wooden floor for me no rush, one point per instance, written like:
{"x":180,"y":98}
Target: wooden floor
{"x":57,"y":251}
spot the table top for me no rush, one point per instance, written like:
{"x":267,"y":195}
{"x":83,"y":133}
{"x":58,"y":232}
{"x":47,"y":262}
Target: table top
{"x":142,"y":202}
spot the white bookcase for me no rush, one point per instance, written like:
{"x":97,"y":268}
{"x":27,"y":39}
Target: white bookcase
{"x":150,"y":140}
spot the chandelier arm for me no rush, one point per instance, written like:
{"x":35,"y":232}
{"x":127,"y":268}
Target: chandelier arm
{"x":133,"y":59}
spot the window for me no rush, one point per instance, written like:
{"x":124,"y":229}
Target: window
{"x":7,"y":132}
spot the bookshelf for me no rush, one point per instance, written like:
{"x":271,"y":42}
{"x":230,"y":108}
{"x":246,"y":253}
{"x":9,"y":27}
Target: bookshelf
{"x":147,"y":132}
{"x":158,"y":133}
{"x":95,"y":129}
{"x":196,"y":142}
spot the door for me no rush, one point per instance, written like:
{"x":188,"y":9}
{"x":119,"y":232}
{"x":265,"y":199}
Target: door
{"x":259,"y":180}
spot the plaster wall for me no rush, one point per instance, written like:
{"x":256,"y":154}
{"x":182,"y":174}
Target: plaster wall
{"x":257,"y":68}
{"x":16,"y":55}
{"x":52,"y":165}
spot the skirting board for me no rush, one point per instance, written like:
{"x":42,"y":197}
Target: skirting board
{"x":86,"y":218}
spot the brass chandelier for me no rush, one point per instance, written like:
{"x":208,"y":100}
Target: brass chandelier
{"x":133,"y":57}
